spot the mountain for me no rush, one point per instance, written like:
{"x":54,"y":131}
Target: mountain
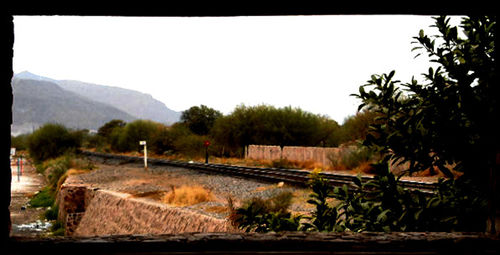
{"x":39,"y":100}
{"x":135,"y":103}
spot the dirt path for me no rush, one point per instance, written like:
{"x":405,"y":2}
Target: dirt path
{"x":26,"y":221}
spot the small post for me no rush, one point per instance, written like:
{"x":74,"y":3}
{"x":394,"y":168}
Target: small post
{"x":22,"y":168}
{"x":145,"y":154}
{"x":18,"y":171}
{"x":206,"y":144}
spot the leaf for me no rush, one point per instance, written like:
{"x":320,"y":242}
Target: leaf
{"x":357,"y":180}
{"x":421,"y":33}
{"x":382,"y":217}
{"x":391,"y":74}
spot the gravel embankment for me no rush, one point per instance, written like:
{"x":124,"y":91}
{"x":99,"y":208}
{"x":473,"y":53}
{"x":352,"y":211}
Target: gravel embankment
{"x":158,"y":180}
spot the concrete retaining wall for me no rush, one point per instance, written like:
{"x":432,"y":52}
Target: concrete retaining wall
{"x":92,"y":212}
{"x":113,"y":213}
{"x":270,"y":152}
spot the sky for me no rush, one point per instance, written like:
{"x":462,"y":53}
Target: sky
{"x":311,"y":62}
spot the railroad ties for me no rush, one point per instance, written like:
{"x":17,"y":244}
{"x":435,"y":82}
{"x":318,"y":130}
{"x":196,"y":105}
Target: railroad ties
{"x":290,"y":176}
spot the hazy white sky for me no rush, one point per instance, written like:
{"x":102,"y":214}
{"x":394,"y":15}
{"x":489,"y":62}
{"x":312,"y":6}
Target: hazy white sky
{"x":311,"y":62}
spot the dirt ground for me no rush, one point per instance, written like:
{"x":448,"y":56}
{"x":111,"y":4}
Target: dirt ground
{"x":158,"y":181}
{"x":26,"y":221}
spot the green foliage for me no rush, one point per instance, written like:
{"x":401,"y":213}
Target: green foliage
{"x":268,"y":125}
{"x":325,"y":217}
{"x":50,"y":141}
{"x":200,"y":119}
{"x":449,"y":120}
{"x":127,"y":138}
{"x":190,"y":145}
{"x":94,"y":141}
{"x":19,"y":142}
{"x":264,"y":215}
{"x":379,"y":205}
{"x":57,"y":168}
{"x":52,"y":212}
{"x":44,"y":198}
{"x":356,"y":127}
{"x":58,"y":229}
{"x":162,"y":140}
{"x":106,"y":130}
{"x":350,"y":157}
{"x":384,"y":205}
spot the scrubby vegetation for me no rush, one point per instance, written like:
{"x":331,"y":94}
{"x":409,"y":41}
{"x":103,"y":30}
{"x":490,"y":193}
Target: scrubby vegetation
{"x":56,"y":171}
{"x":432,"y":126}
{"x":445,"y":122}
{"x":50,"y":141}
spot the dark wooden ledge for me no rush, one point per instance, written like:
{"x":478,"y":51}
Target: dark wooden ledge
{"x":276,"y":243}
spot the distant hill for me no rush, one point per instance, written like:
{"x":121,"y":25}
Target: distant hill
{"x":39,"y":100}
{"x":140,"y":105}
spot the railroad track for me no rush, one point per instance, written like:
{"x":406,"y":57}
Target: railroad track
{"x":290,"y":176}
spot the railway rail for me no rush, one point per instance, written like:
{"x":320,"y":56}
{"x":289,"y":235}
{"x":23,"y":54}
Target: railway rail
{"x":290,"y":176}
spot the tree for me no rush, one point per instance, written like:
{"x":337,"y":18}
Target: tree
{"x":356,"y":127}
{"x":268,"y":125}
{"x":106,"y":129}
{"x":449,"y":120}
{"x":200,"y":119}
{"x":127,"y":138}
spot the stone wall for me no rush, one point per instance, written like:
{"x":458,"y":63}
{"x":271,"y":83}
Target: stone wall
{"x":113,"y":213}
{"x":93,"y":212}
{"x":270,"y":152}
{"x":72,"y":199}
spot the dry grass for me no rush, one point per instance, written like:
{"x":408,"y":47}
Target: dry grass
{"x":188,"y":195}
{"x":364,"y":167}
{"x":218,"y":209}
{"x":156,"y":195}
{"x":70,"y":172}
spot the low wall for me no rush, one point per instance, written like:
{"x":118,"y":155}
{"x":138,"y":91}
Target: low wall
{"x":270,"y":152}
{"x":93,"y":212}
{"x":113,"y":213}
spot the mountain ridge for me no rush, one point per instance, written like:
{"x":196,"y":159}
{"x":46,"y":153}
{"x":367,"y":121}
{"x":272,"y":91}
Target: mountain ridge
{"x":39,"y":100}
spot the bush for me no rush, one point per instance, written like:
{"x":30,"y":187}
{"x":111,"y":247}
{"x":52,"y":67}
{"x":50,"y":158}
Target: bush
{"x":56,"y":169}
{"x":19,"y":142}
{"x":127,"y":138}
{"x":58,"y":229}
{"x":378,"y":205}
{"x":352,"y":157}
{"x":190,"y":145}
{"x":50,"y":141}
{"x":264,"y":215}
{"x":52,"y":212}
{"x":44,"y":198}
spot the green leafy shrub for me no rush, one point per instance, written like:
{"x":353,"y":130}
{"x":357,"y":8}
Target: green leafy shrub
{"x":19,"y":142}
{"x":58,"y":229}
{"x":264,"y":215}
{"x":50,"y":141}
{"x":190,"y":145}
{"x":325,"y":217}
{"x":44,"y":198}
{"x":56,"y":168}
{"x":351,"y":157}
{"x":379,"y":205}
{"x":52,"y":212}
